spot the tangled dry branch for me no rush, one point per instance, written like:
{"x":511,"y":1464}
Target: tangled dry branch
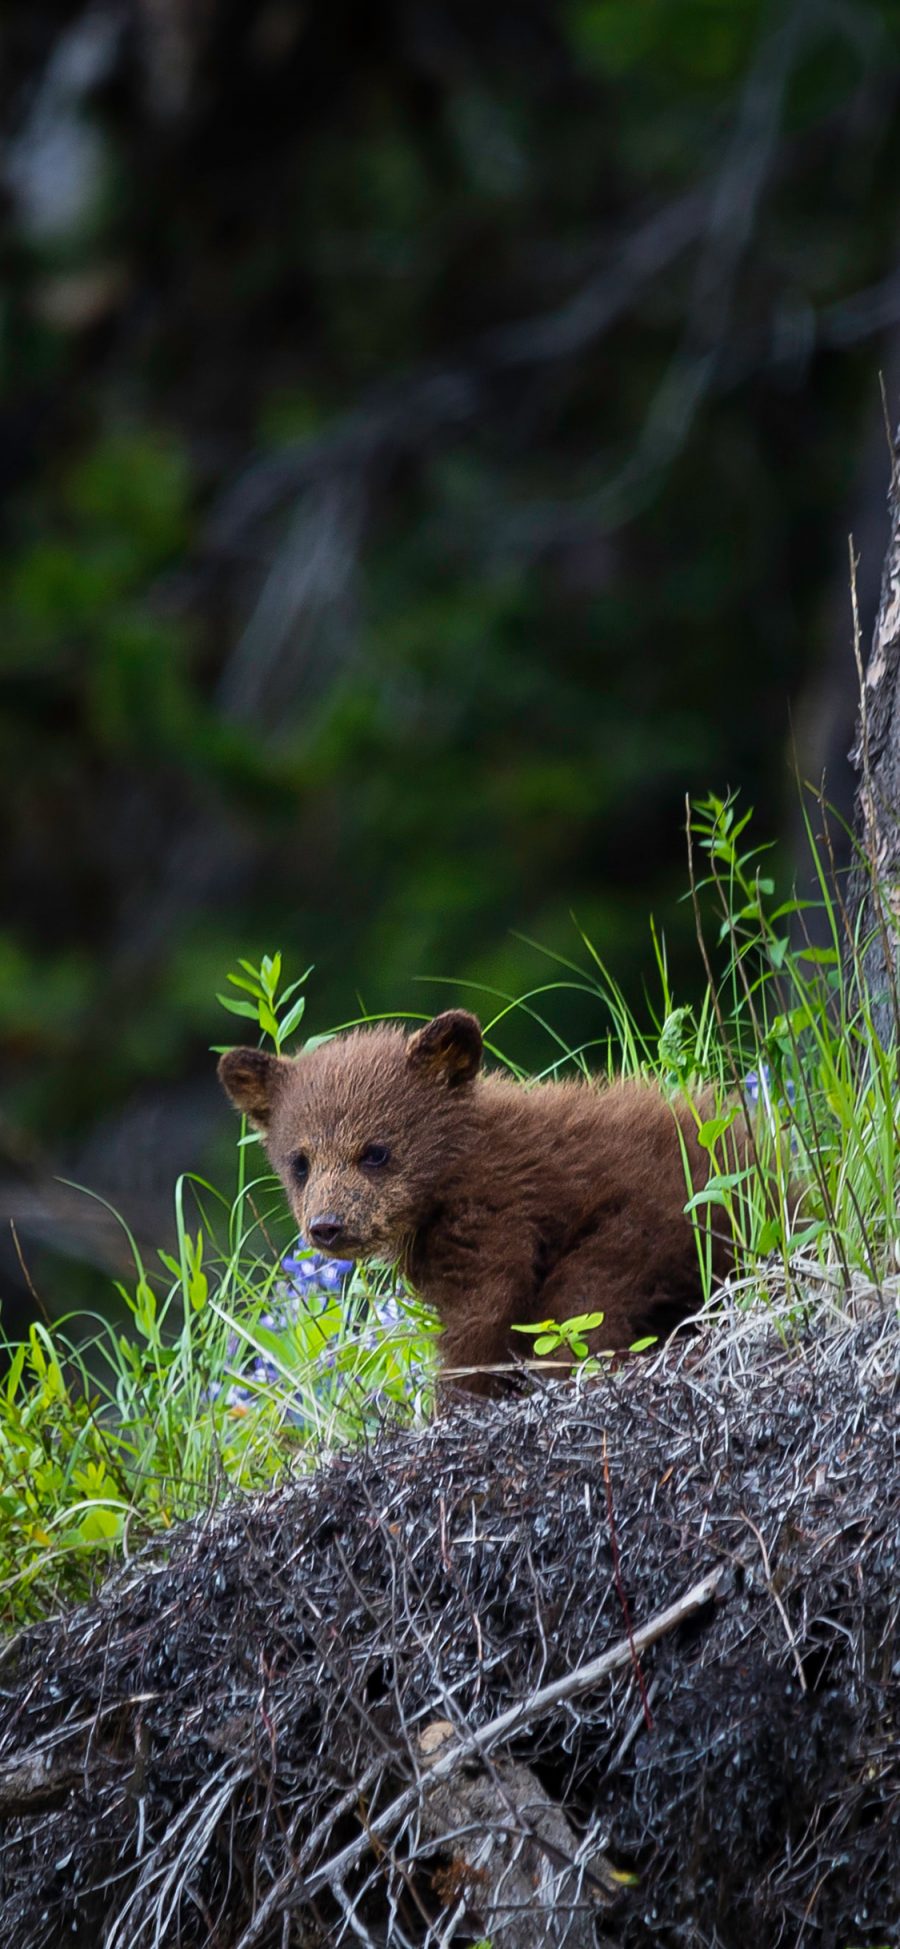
{"x":418,"y":1697}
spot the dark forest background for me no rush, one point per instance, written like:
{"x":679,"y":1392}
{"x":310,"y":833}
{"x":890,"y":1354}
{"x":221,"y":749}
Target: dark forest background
{"x":429,"y":436}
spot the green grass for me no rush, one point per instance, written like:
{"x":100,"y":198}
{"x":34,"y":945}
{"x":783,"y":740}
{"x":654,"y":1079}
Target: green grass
{"x":107,"y":1436}
{"x":110,"y":1436}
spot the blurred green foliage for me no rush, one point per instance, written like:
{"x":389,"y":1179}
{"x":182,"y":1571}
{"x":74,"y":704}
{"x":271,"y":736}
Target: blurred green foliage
{"x":548,"y":612}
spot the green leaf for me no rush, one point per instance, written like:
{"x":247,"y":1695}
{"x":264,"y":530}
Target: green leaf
{"x":294,"y":1016}
{"x":808,"y":1234}
{"x":36,"y":1357}
{"x":15,"y":1372}
{"x":715,"y":1127}
{"x":640,"y":1346}
{"x":548,"y":1343}
{"x":797,"y":1019}
{"x":100,"y":1525}
{"x":252,"y":987}
{"x":672,"y":1035}
{"x":768,"y":1237}
{"x":144,"y":1308}
{"x":292,"y":987}
{"x":792,"y":907}
{"x":249,"y":1009}
{"x":270,"y":973}
{"x":712,"y":1194}
{"x":198,"y":1290}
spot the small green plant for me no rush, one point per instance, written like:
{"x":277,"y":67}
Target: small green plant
{"x":276,"y":1014}
{"x":550,"y":1335}
{"x":794,"y":1021}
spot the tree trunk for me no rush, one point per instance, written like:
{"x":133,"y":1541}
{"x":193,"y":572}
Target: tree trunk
{"x":875,"y":885}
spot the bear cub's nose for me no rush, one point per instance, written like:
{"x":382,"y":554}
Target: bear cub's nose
{"x":325,"y":1231}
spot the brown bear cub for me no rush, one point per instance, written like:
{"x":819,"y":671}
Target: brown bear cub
{"x":503,"y":1205}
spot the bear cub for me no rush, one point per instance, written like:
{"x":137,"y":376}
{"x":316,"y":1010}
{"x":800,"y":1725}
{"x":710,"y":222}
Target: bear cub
{"x":502,"y":1204}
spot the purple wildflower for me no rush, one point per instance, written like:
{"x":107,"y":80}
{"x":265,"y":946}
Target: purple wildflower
{"x":333,"y":1273}
{"x":761,"y":1086}
{"x":308,"y":1287}
{"x":315,"y":1269}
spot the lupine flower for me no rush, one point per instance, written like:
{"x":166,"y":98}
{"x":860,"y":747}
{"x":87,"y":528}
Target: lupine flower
{"x":758,"y":1084}
{"x":309,"y":1288}
{"x":314,"y":1269}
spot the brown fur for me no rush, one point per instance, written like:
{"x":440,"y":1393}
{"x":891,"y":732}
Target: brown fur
{"x":503,"y":1204}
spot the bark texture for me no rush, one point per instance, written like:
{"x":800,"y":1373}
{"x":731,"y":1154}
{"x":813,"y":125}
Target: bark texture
{"x":875,"y":901}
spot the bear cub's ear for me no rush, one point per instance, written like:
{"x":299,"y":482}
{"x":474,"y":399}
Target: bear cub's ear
{"x":251,"y":1078}
{"x":448,"y":1049}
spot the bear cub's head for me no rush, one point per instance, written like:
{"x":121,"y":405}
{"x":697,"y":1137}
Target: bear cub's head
{"x":364,"y":1128}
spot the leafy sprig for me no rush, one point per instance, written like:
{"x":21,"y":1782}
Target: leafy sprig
{"x":550,"y":1335}
{"x":276,"y":1014}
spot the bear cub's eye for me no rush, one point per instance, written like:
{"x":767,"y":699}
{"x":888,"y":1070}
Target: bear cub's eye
{"x":300,"y":1167}
{"x":374,"y":1156}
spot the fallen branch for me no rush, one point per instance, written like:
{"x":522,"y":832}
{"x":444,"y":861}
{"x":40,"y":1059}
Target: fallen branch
{"x":38,"y":1780}
{"x":479,"y":1743}
{"x":523,"y":1878}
